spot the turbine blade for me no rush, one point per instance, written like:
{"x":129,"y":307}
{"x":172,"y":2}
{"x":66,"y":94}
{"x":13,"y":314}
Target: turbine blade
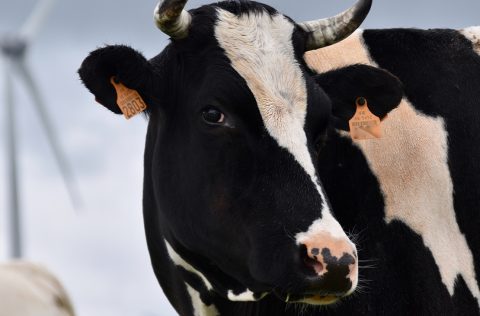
{"x":64,"y":167}
{"x":11,"y":147}
{"x":36,"y":19}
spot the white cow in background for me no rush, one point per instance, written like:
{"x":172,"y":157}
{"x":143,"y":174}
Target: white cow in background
{"x":28,"y":289}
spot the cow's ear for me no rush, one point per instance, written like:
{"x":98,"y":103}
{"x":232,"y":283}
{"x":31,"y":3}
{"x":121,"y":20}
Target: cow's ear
{"x":382,"y":90}
{"x":123,"y":63}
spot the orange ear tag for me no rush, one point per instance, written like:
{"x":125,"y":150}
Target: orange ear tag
{"x":364,"y":124}
{"x":128,"y":100}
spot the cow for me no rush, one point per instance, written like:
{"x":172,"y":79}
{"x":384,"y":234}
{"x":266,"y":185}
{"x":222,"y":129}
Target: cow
{"x":257,"y":201}
{"x":424,"y":169}
{"x":28,"y":289}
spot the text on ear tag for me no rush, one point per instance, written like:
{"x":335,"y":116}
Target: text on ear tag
{"x":128,"y":100}
{"x":364,"y":124}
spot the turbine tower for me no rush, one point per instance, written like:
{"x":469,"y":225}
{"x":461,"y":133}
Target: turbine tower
{"x":13,"y":52}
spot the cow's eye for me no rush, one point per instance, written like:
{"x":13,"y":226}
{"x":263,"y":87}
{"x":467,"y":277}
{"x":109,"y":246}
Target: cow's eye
{"x":213,"y":116}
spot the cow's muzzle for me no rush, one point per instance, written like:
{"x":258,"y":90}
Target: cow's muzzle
{"x":330,"y":267}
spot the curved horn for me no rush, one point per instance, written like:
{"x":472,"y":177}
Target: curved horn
{"x":329,"y":31}
{"x":172,"y":19}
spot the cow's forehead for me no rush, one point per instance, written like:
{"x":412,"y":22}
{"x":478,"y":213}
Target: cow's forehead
{"x":259,"y":47}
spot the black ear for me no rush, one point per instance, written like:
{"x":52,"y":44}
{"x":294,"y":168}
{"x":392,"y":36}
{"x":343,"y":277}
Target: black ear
{"x":122,"y":62}
{"x":382,"y":90}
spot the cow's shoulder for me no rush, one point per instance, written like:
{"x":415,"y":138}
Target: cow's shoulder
{"x":420,"y":163}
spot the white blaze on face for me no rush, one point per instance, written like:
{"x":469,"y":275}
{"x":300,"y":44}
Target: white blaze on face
{"x":473,"y":34}
{"x":260,"y":49}
{"x":411,"y":165}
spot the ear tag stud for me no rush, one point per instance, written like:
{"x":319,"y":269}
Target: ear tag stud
{"x":364,"y":124}
{"x":128,"y":100}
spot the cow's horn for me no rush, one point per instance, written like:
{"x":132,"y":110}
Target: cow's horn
{"x":172,"y":19}
{"x":329,"y":31}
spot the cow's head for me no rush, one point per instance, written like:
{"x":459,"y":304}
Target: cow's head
{"x":236,"y":120}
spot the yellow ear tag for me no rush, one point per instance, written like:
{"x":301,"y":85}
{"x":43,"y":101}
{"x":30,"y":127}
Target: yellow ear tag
{"x":128,"y":100}
{"x":364,"y":124}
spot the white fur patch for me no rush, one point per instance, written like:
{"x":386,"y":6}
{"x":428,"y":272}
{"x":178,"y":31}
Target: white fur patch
{"x":326,"y":224}
{"x":260,"y":49}
{"x":199,"y":307}
{"x":179,"y":261}
{"x":411,"y":165}
{"x":473,"y":34}
{"x":247,"y":296}
{"x":345,"y":53}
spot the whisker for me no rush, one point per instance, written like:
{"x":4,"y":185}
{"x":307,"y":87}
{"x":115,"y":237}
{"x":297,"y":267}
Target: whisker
{"x":368,"y":260}
{"x":368,"y":267}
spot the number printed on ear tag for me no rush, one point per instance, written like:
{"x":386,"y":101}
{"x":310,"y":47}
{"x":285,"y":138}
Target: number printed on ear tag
{"x":364,"y":124}
{"x":128,"y":100}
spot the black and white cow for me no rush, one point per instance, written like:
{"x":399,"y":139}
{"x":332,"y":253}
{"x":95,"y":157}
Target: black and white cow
{"x":417,"y":195}
{"x":249,"y":171}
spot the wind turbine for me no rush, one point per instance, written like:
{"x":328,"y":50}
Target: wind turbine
{"x":13,"y":52}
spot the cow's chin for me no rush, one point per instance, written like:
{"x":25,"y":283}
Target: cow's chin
{"x":310,"y":299}
{"x":320,"y":300}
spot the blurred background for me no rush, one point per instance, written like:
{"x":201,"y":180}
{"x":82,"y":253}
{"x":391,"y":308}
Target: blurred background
{"x":99,"y":251}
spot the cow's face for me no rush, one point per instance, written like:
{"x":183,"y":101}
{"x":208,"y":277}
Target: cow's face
{"x":236,"y":121}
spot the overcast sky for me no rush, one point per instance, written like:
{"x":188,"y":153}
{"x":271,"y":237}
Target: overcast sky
{"x":100,"y":252}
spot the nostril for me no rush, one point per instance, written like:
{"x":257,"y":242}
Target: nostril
{"x":314,"y":264}
{"x":310,"y":259}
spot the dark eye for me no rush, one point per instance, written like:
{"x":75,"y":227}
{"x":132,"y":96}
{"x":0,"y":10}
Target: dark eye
{"x":213,"y":116}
